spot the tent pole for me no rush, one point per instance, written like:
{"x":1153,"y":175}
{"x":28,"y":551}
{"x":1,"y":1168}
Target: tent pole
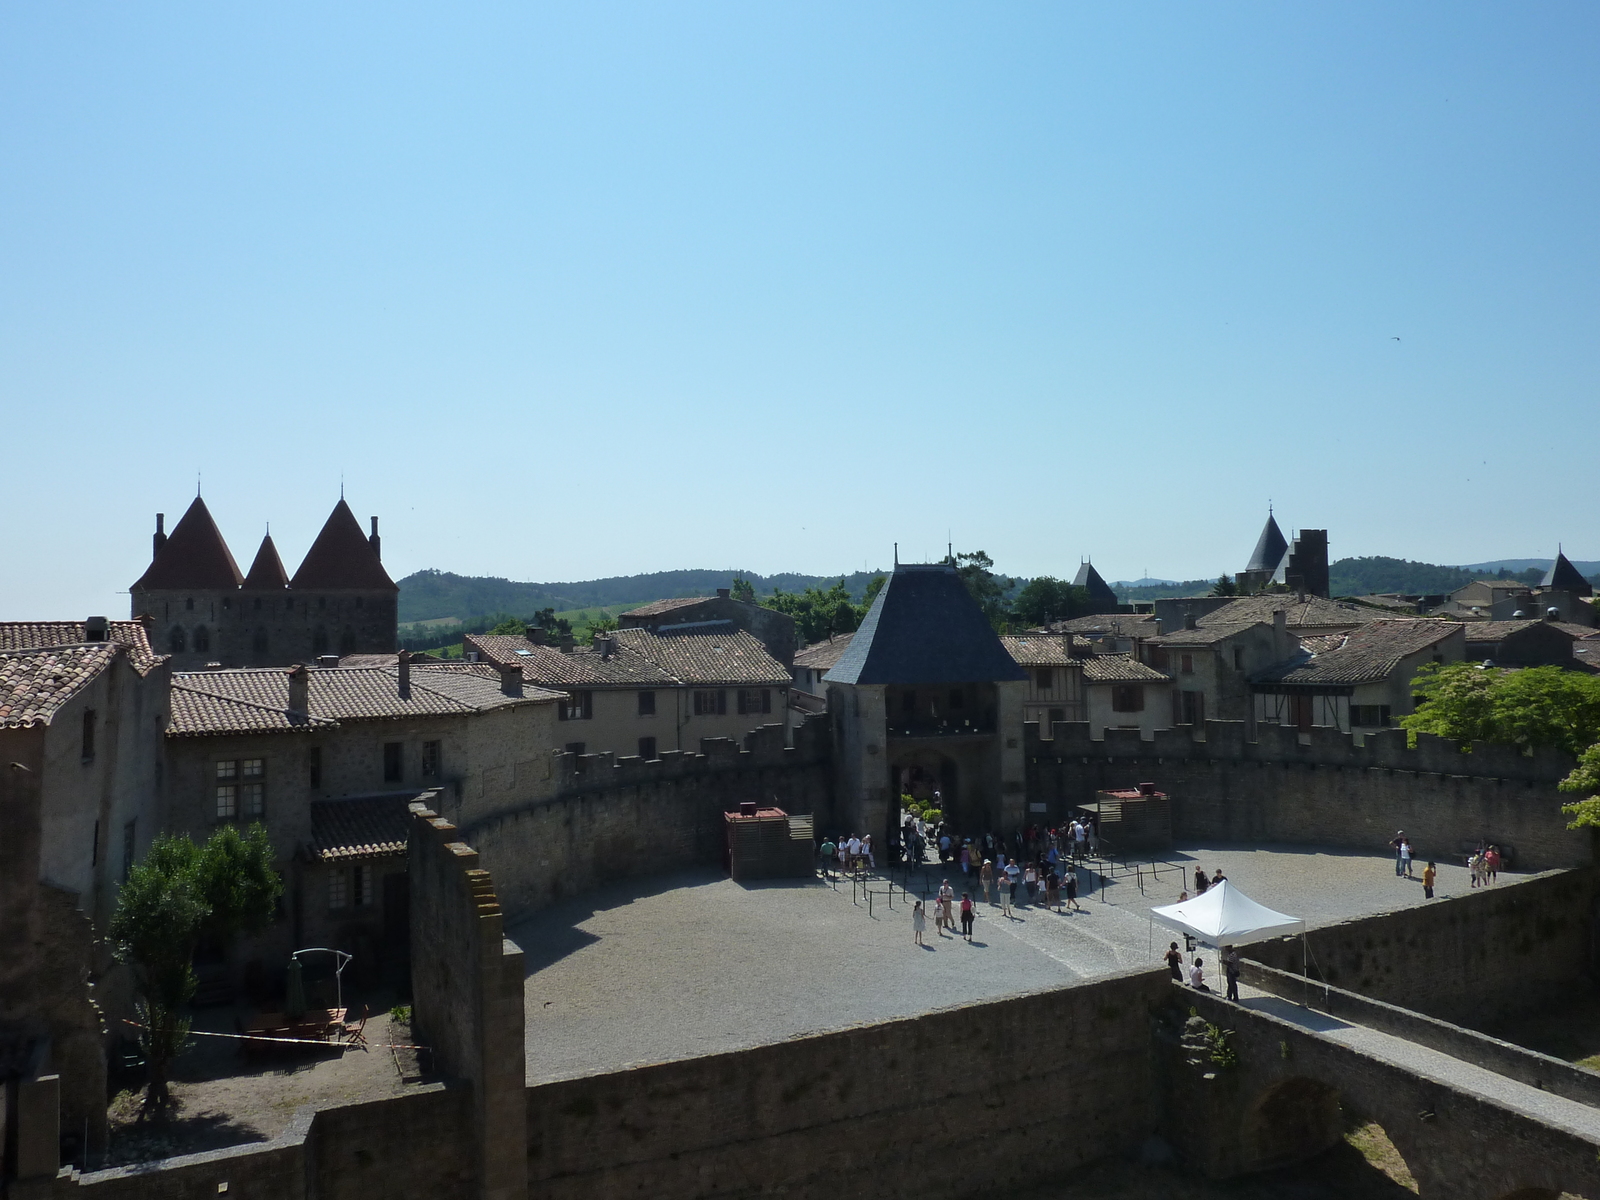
{"x":1305,"y":972}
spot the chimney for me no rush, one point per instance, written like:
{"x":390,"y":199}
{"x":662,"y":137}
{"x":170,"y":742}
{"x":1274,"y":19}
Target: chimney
{"x":1188,"y":620}
{"x":604,"y":643}
{"x":299,"y":689}
{"x":402,"y":662}
{"x":511,"y":680}
{"x":723,"y":593}
{"x":566,"y":643}
{"x":536,"y":635}
{"x":94,"y":629}
{"x":1158,"y":626}
{"x":1280,"y":633}
{"x":375,"y":541}
{"x":160,"y":538}
{"x":327,"y":661}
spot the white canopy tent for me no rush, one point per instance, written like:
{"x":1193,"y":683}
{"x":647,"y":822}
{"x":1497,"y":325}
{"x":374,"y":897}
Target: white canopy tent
{"x":1224,"y":916}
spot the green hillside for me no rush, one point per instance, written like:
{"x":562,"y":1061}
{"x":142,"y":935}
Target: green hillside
{"x":1364,"y":576}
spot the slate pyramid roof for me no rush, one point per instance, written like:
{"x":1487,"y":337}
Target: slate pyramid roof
{"x":1089,"y":579}
{"x":341,"y":559}
{"x":194,"y":556}
{"x":924,"y":628}
{"x":1270,"y":547}
{"x":1562,"y":574}
{"x":266,"y":574}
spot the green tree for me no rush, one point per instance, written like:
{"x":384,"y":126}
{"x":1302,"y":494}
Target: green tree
{"x":599,"y":625}
{"x":179,"y":894}
{"x":1537,"y":706}
{"x":991,"y":591}
{"x":1046,"y":599}
{"x":742,"y":589}
{"x":1224,"y":586}
{"x":1584,"y":778}
{"x":818,"y":614}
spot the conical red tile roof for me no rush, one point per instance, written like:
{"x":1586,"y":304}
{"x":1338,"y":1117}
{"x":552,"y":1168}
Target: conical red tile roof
{"x":342,"y":559}
{"x":266,"y":573}
{"x":194,"y":557}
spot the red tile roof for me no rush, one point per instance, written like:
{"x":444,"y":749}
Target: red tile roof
{"x":341,"y":559}
{"x":821,"y":656}
{"x":34,"y":684}
{"x":33,"y":635}
{"x":700,"y":656}
{"x":194,"y":556}
{"x":1039,"y":649}
{"x":361,"y":828}
{"x":266,"y":574}
{"x":656,"y":607}
{"x":1120,"y":668}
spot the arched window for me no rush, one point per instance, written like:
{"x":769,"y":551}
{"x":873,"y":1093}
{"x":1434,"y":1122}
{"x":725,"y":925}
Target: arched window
{"x":319,"y":641}
{"x":175,"y":642}
{"x":258,"y":644}
{"x":202,"y":639}
{"x":347,"y":641}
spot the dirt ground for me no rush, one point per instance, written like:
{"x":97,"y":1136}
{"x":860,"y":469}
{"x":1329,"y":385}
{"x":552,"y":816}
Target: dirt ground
{"x":222,"y":1098}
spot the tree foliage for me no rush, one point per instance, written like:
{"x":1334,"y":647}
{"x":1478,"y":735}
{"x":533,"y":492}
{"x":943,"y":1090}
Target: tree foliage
{"x":991,"y":591}
{"x":1537,"y":706}
{"x":820,"y":614}
{"x":742,"y":589}
{"x":1045,"y":599}
{"x":178,"y":895}
{"x":1225,"y":586}
{"x":1584,"y":778}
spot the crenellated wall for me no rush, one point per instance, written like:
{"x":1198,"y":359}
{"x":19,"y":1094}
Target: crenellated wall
{"x":1322,"y":788}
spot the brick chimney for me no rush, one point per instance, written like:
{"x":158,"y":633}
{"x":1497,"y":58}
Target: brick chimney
{"x":402,"y":664}
{"x":375,"y":541}
{"x":160,"y":538}
{"x":94,"y":629}
{"x":299,"y":689}
{"x":511,"y":680}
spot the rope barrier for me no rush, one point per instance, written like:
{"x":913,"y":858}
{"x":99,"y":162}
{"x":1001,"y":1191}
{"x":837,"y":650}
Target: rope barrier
{"x":283,"y":1041}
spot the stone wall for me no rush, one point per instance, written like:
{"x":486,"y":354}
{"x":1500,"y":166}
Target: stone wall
{"x":1322,"y":788}
{"x":613,"y":817}
{"x":1475,"y":960}
{"x":865,"y":1110}
{"x":296,"y":626}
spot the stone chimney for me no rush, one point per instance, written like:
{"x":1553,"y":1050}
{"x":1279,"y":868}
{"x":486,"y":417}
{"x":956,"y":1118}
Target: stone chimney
{"x":402,"y":664}
{"x":299,"y":690}
{"x":724,"y":593}
{"x":1280,"y":633}
{"x":160,"y":538}
{"x":1189,"y":621}
{"x":606,"y":644}
{"x":536,"y":635}
{"x":511,"y":680}
{"x":94,"y":629}
{"x":566,"y":643}
{"x":1159,"y":623}
{"x":375,"y":541}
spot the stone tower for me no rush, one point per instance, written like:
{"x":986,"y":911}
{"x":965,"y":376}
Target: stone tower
{"x":340,"y":601}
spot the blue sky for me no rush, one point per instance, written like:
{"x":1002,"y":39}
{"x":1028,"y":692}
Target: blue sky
{"x":564,"y":291}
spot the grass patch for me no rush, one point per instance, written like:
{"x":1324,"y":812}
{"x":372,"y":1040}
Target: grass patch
{"x":1374,"y":1146}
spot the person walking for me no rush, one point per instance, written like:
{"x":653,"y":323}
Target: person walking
{"x":1174,"y":958}
{"x":966,"y":915}
{"x":1030,"y":883}
{"x":1405,"y":857}
{"x":1397,"y":841}
{"x":1201,"y":883}
{"x":827,"y":850}
{"x":1072,"y":889}
{"x":1052,"y":890}
{"x":1429,"y":874}
{"x":1491,"y":861}
{"x":1230,"y":968}
{"x":919,"y":922}
{"x":947,"y":895}
{"x":986,"y":877}
{"x":1008,"y":890}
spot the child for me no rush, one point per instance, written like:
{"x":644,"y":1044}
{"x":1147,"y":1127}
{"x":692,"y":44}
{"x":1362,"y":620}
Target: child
{"x":1429,"y":874}
{"x":919,"y":922}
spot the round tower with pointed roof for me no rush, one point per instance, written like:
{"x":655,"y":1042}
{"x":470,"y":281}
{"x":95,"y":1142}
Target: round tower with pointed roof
{"x":340,"y":601}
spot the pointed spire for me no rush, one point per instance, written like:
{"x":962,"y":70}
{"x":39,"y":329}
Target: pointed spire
{"x":266,"y":573}
{"x":341,"y":558}
{"x":1270,"y":546}
{"x":1090,"y":581}
{"x":1565,"y":577}
{"x":192,"y":557}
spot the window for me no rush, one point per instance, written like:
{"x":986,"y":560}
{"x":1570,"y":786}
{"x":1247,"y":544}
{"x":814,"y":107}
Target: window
{"x":175,"y":641}
{"x":314,"y":767}
{"x":1127,"y":697}
{"x":253,"y":788}
{"x":1044,"y":679}
{"x":392,"y":772}
{"x":88,"y":734}
{"x":430,"y":760}
{"x":711,"y":703}
{"x":573,"y":747}
{"x":1372,"y":716}
{"x":129,"y":842}
{"x":578,"y":706}
{"x":1188,"y":708}
{"x":361,"y":886}
{"x":1300,"y":712}
{"x":1186,"y":663}
{"x":338,"y":889}
{"x":755,"y":700}
{"x":202,"y":639}
{"x":647,"y":704}
{"x":647,"y":747}
{"x":226,"y":604}
{"x":228,"y":790}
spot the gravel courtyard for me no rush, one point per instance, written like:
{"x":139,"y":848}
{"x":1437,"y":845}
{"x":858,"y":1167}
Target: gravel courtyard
{"x":689,"y":964}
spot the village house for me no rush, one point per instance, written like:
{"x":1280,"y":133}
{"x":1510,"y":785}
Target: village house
{"x":1358,"y":682}
{"x":1524,"y":643}
{"x":1109,"y":633}
{"x":774,"y":630}
{"x":1068,"y":682}
{"x":1210,"y":665}
{"x":326,"y":759}
{"x":639,"y":691}
{"x":815,"y":661}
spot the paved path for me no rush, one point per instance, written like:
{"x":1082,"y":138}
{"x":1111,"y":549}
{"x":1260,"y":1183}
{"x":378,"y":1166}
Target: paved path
{"x":1434,"y":1065}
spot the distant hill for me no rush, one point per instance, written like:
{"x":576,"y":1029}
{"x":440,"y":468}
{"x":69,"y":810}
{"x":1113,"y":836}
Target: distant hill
{"x":1515,"y":565}
{"x":1144,"y":583}
{"x":441,"y":595}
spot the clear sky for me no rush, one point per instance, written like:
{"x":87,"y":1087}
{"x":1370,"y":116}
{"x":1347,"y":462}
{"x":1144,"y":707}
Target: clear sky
{"x":569,"y":290}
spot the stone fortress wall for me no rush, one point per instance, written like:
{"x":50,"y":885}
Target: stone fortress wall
{"x":1322,"y":788}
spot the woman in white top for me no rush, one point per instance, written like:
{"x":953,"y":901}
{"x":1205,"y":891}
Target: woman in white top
{"x":1197,"y":976}
{"x":919,"y":922}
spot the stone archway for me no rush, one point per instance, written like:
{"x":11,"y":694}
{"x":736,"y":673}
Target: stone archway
{"x":1290,"y":1122}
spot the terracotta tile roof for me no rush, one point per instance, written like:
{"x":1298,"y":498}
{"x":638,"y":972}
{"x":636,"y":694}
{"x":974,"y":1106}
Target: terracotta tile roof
{"x":584,"y":666}
{"x":820,"y":656}
{"x":1367,"y":654}
{"x":1313,"y":611}
{"x":341,"y":559}
{"x":1114,"y":624}
{"x":1204,"y":635}
{"x":1494,"y":631}
{"x":706,"y":656}
{"x":360,"y":828}
{"x":1039,"y":649}
{"x":1321,"y":643}
{"x":266,"y":574}
{"x":1120,"y":668}
{"x":385,"y":660}
{"x":657,"y":607}
{"x":30,"y":635}
{"x":193,"y":556}
{"x":34,"y":684}
{"x":257,"y":700}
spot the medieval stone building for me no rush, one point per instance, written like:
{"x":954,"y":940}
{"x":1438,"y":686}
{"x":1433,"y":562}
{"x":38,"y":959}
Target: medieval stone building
{"x":202,"y":610}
